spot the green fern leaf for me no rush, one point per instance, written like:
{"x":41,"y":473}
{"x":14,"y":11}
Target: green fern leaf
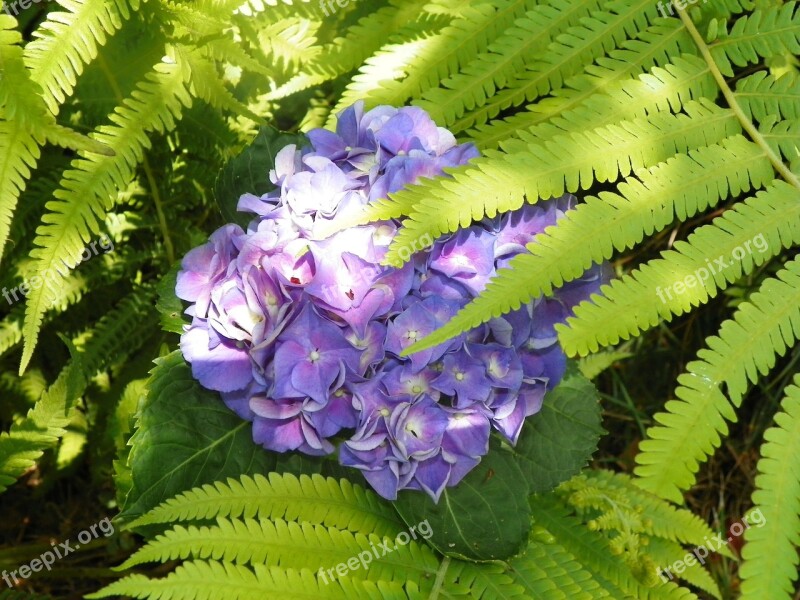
{"x":634,"y":302}
{"x":313,"y":499}
{"x":566,"y":56}
{"x":289,"y":545}
{"x":43,"y":426}
{"x":68,"y":40}
{"x":770,"y":550}
{"x":594,"y":553}
{"x":689,"y":431}
{"x":762,"y":96}
{"x":659,"y":44}
{"x":761,"y":34}
{"x":507,"y":54}
{"x":89,"y":189}
{"x":199,"y":580}
{"x":457,"y":44}
{"x":680,"y":187}
{"x":663,"y":519}
{"x":783,"y":137}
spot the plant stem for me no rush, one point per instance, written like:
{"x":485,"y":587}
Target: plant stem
{"x":437,"y":584}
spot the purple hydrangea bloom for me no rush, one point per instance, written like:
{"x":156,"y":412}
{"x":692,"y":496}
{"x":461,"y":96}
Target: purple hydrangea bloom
{"x":303,"y":334}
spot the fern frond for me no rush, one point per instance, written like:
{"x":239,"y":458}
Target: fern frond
{"x":594,"y":553}
{"x":634,"y":302}
{"x":199,"y":580}
{"x":208,"y":86}
{"x":663,"y":519}
{"x":662,"y":42}
{"x":664,"y":552}
{"x":349,"y":52}
{"x":313,"y":499}
{"x":762,"y":96}
{"x":68,"y":40}
{"x":458,"y":44}
{"x":761,"y":329}
{"x":566,"y":56}
{"x":667,"y":89}
{"x":89,"y":188}
{"x":506,"y":56}
{"x":681,"y":187}
{"x":783,"y":137}
{"x":43,"y":426}
{"x":762,"y":34}
{"x":486,"y":581}
{"x":289,"y":545}
{"x":547,"y":570}
{"x":568,"y":162}
{"x":770,"y":551}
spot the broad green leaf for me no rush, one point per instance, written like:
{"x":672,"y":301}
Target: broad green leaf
{"x":249,"y":171}
{"x":485,"y":517}
{"x":557,"y":442}
{"x":186,"y":437}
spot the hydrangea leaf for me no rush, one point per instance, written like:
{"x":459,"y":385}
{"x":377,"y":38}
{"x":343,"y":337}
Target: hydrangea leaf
{"x":249,"y":171}
{"x":485,"y":517}
{"x":557,"y":442}
{"x":186,"y":437}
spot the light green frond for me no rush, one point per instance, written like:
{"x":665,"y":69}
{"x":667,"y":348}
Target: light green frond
{"x":665,"y":552}
{"x":392,"y":64}
{"x":681,"y":187}
{"x":762,"y":34}
{"x":547,"y":570}
{"x":457,"y":45}
{"x":771,"y":541}
{"x":663,"y":520}
{"x":487,"y":582}
{"x":594,"y":553}
{"x":783,"y":137}
{"x":68,"y":40}
{"x":662,"y":42}
{"x":762,"y":96}
{"x":199,"y":580}
{"x":506,"y":56}
{"x":747,"y":346}
{"x":649,"y":294}
{"x":567,"y":55}
{"x":43,"y":426}
{"x":313,"y":499}
{"x":207,"y":85}
{"x":89,"y":189}
{"x":668,"y":89}
{"x":349,"y":52}
{"x":19,"y":122}
{"x":288,"y":545}
{"x":501,"y":182}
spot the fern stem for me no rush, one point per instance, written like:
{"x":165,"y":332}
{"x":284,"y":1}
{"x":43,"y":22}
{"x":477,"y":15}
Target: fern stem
{"x":437,"y":584}
{"x":730,"y":97}
{"x":162,"y":220}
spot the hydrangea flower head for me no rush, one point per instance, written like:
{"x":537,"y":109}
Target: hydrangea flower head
{"x":303,"y":335}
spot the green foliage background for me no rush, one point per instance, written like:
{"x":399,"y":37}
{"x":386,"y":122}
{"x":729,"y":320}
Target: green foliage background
{"x":680,"y":133}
